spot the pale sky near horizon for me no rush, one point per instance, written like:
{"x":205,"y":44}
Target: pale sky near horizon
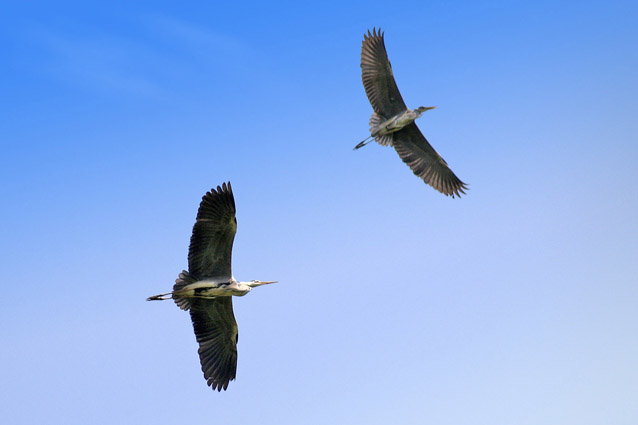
{"x":515,"y":304}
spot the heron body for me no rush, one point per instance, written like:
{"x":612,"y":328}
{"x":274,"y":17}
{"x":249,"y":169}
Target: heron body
{"x":213,"y":288}
{"x":392,"y":123}
{"x":380,"y":128}
{"x":207,"y":288}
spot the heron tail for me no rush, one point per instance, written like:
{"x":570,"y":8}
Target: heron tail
{"x":375,"y":121}
{"x":182,"y":280}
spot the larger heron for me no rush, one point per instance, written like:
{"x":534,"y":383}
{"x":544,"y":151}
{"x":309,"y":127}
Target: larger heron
{"x":206,"y":289}
{"x":392,"y":122}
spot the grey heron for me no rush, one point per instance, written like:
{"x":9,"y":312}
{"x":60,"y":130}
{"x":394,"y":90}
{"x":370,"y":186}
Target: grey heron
{"x":392,"y":122}
{"x":206,"y":289}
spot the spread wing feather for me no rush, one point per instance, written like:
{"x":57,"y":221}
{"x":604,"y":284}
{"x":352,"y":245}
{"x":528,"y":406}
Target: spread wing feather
{"x":216,"y":331}
{"x":425,"y":162}
{"x":378,"y":80}
{"x":214,"y":231}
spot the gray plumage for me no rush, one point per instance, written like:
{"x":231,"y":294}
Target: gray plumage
{"x":392,"y":122}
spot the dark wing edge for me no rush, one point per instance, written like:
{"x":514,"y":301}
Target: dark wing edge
{"x":216,"y":332}
{"x":425,"y":162}
{"x":211,"y":244}
{"x":377,"y":77}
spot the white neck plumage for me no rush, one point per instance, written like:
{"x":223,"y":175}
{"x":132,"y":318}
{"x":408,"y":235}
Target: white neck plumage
{"x":253,"y":284}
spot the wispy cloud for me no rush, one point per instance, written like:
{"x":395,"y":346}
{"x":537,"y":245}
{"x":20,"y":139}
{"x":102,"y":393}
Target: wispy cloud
{"x":197,"y":38}
{"x":154,"y":59}
{"x":100,"y":62}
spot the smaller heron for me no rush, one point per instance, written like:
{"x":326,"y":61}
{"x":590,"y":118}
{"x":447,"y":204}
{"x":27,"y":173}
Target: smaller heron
{"x":207,"y":288}
{"x":392,"y":122}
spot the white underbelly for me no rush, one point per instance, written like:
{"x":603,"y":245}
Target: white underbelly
{"x":211,"y":288}
{"x":393,"y":124}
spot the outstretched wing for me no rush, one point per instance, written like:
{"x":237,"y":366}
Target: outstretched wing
{"x":211,"y":244}
{"x":378,"y":80}
{"x":425,"y":162}
{"x":216,"y":331}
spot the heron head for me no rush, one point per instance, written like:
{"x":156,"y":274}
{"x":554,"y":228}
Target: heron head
{"x":255,"y":283}
{"x":422,"y":109}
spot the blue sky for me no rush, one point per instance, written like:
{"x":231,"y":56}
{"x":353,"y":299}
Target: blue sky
{"x":395,"y":304}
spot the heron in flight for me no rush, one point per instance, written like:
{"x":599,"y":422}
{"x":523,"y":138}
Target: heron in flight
{"x":392,"y":122}
{"x":206,"y":289}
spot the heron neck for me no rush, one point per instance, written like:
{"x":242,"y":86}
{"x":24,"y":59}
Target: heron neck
{"x":245,"y":286}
